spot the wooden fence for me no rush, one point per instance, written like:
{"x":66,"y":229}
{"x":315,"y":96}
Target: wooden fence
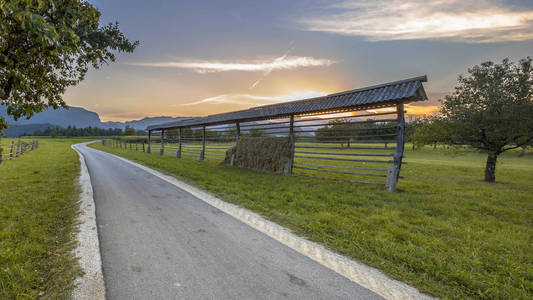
{"x":127,"y":145}
{"x":9,"y":151}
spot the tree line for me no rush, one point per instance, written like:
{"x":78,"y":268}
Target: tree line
{"x":73,"y":131}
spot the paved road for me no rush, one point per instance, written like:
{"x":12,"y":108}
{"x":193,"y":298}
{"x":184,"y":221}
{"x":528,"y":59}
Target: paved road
{"x":159,"y":242}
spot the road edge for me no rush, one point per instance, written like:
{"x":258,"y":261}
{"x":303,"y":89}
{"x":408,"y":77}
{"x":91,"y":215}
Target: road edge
{"x":366,"y":276}
{"x":91,"y":284}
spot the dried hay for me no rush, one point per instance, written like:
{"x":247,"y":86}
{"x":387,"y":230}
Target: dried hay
{"x":269,"y":154}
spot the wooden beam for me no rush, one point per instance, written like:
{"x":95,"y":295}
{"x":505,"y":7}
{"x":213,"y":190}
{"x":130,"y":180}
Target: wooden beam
{"x":178,"y":153}
{"x":393,"y":173}
{"x":290,"y":163}
{"x":162,"y":150}
{"x":149,"y":140}
{"x":202,"y":154}
{"x":237,"y":135}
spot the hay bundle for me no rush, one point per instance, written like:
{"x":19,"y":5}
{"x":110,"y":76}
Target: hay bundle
{"x":269,"y":154}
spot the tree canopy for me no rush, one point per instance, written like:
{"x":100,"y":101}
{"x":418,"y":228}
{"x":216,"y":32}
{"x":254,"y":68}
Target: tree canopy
{"x":129,"y":131}
{"x":491,"y":109}
{"x":47,"y":46}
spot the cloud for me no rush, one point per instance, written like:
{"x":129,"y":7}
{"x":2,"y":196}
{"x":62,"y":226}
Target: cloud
{"x":249,"y":100}
{"x":458,"y":20}
{"x":264,"y":65}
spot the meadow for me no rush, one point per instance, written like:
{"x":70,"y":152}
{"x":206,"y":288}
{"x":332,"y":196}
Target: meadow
{"x":38,"y":212}
{"x":446,"y":231}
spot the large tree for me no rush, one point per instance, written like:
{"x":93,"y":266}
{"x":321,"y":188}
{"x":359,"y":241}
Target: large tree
{"x":491,"y":109}
{"x":48,"y":45}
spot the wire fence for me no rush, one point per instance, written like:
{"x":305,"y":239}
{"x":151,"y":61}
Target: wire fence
{"x":9,"y":151}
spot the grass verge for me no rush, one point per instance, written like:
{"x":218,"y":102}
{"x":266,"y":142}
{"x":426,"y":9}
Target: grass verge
{"x":38,"y":212}
{"x":446,"y":231}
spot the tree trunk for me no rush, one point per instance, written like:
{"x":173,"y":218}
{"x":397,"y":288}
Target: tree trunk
{"x":490,"y":168}
{"x":523,"y":152}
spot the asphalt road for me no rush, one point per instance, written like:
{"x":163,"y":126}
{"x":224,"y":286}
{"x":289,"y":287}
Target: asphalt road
{"x":160,"y":242}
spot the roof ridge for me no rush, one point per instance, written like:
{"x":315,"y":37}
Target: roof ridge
{"x":422,"y":78}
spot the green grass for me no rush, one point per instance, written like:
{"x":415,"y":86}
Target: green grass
{"x":38,"y":211}
{"x":446,"y":231}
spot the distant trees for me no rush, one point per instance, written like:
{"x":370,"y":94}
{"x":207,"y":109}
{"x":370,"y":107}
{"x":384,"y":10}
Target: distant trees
{"x":71,"y":131}
{"x":428,"y":131}
{"x":257,"y":132}
{"x":345,"y":131}
{"x":128,"y":131}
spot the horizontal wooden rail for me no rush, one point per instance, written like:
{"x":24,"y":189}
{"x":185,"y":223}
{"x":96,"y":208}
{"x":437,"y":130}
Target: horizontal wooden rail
{"x":345,"y":159}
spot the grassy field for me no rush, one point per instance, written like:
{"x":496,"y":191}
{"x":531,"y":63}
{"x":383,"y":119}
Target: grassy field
{"x":445,"y":232}
{"x":38,"y":210}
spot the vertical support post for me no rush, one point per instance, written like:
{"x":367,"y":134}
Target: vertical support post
{"x":18,"y":149}
{"x":394,"y":172}
{"x":288,"y":166}
{"x":178,"y":153}
{"x":162,"y":150}
{"x":143,"y":147}
{"x":237,"y":135}
{"x":149,"y":140}
{"x":11,"y":152}
{"x":202,"y":154}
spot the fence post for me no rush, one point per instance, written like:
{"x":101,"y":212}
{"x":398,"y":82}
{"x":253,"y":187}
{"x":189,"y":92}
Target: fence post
{"x":143,"y":147}
{"x":11,"y":152}
{"x":136,"y":147}
{"x":237,"y":135}
{"x":202,"y":153}
{"x":149,"y":140}
{"x":178,"y":153}
{"x":18,"y":149}
{"x":394,"y":172}
{"x":288,"y":166}
{"x":162,"y":150}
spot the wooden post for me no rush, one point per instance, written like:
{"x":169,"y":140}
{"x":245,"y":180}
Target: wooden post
{"x":149,"y":140}
{"x":162,"y":150}
{"x":178,"y":153}
{"x":143,"y":147}
{"x":394,"y":172}
{"x":237,"y":135}
{"x":136,"y":147}
{"x":288,"y":166}
{"x":202,"y":154}
{"x":11,"y":152}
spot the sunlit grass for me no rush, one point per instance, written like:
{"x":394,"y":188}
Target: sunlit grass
{"x":445,"y":232}
{"x":38,"y":210}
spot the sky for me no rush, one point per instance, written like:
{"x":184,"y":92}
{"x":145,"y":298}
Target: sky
{"x":204,"y":57}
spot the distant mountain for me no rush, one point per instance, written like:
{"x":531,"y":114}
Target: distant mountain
{"x":81,"y":118}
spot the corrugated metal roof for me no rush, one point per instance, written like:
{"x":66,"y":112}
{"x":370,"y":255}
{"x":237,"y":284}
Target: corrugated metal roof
{"x":406,"y":90}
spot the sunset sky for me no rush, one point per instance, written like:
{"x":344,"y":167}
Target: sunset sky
{"x":206,"y":57}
